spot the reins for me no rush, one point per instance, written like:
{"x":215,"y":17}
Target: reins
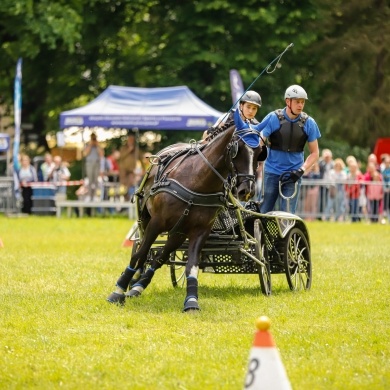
{"x":225,"y":182}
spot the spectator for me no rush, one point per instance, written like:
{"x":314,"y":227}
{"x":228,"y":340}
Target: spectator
{"x":372,"y":158}
{"x":47,"y":166}
{"x":59,"y":175}
{"x":111,"y":174}
{"x":336,"y":193}
{"x":382,"y":165}
{"x":326,"y":163}
{"x":374,"y":191}
{"x":386,"y":187}
{"x":145,"y":163}
{"x":353,"y":189}
{"x":26,"y":174}
{"x":127,"y":164}
{"x":112,"y":166}
{"x":312,"y":192}
{"x":94,"y":160}
{"x":349,"y":160}
{"x":288,"y":130}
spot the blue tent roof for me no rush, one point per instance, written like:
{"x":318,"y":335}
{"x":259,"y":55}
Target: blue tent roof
{"x":169,"y":108}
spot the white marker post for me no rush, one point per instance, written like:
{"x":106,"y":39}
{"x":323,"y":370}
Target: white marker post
{"x":265,"y":367}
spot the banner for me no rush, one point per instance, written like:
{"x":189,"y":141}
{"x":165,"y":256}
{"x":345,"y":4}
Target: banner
{"x":4,"y":142}
{"x":236,"y":86}
{"x":17,"y":112}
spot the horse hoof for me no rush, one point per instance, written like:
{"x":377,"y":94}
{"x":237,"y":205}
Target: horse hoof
{"x":132,"y":294}
{"x":115,"y":297}
{"x":191,"y":306}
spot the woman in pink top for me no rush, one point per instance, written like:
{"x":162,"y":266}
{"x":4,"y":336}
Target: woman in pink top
{"x":374,"y":192}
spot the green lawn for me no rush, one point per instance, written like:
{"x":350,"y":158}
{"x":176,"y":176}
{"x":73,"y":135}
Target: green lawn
{"x":57,"y":330}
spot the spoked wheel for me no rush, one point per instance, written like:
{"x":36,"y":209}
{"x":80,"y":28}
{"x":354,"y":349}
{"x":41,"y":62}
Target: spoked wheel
{"x":262,"y":255}
{"x":297,"y":260}
{"x":178,"y":271}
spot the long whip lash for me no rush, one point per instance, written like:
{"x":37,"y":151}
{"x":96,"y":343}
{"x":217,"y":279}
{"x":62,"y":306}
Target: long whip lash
{"x":266,"y":69}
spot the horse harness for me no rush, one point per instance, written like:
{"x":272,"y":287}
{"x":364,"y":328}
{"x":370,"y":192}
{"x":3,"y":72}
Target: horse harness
{"x":164,"y":184}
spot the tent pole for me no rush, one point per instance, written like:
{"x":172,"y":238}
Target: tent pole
{"x":136,"y":131}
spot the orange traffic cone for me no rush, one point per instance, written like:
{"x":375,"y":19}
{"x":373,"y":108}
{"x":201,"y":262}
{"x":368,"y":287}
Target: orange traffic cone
{"x":127,"y":243}
{"x":130,"y":236}
{"x":265,"y":367}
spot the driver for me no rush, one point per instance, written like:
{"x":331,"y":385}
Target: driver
{"x":250,"y":102}
{"x":288,"y":130}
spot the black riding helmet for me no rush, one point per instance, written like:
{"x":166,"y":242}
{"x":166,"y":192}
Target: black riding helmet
{"x":251,"y":97}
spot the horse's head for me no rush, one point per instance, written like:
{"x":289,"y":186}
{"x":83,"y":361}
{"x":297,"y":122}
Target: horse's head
{"x":246,"y":153}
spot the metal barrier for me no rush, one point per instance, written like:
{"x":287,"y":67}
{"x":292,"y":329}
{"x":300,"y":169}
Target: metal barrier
{"x":316,"y":200}
{"x":8,"y":202}
{"x":322,"y":200}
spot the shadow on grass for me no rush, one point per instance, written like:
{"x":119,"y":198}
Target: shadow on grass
{"x":166,"y":300}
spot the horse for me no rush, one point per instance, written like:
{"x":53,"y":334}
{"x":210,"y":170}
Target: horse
{"x":183,"y":191}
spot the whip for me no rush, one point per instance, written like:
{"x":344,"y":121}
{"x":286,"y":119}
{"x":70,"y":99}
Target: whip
{"x":266,"y":69}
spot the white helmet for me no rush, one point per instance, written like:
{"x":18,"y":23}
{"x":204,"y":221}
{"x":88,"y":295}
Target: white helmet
{"x":295,"y":92}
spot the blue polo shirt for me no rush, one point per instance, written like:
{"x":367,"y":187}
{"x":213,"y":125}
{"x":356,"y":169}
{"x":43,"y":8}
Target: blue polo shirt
{"x":278,"y":161}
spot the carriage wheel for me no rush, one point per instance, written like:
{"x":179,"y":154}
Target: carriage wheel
{"x":262,"y":255}
{"x":297,"y":260}
{"x":178,"y":272}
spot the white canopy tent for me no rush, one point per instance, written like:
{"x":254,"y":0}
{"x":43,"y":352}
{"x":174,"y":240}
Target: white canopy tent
{"x":169,"y":108}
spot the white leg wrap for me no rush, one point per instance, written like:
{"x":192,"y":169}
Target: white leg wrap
{"x":140,"y":289}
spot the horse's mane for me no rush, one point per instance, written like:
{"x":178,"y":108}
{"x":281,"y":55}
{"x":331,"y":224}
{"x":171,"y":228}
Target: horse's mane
{"x":219,"y":130}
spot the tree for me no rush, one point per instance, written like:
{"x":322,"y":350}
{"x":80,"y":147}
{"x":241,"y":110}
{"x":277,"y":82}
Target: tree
{"x":74,"y":50}
{"x":352,"y":69}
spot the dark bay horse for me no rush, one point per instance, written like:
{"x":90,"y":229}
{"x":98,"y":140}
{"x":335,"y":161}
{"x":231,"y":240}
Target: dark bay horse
{"x":182,"y":195}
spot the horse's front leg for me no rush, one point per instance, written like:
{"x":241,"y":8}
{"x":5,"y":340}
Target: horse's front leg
{"x":172,"y":243}
{"x":137,"y":262}
{"x":192,"y":269}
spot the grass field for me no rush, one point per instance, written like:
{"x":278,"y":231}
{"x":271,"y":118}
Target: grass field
{"x":57,"y":330}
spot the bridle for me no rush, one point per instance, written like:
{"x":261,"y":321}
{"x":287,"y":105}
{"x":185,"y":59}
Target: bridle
{"x":237,"y":137}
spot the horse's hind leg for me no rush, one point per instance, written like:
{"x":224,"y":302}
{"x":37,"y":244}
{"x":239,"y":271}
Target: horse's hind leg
{"x":173,"y":242}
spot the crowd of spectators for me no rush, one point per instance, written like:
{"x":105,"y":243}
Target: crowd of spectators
{"x":332,"y":189}
{"x":344,"y":191}
{"x":112,"y":174}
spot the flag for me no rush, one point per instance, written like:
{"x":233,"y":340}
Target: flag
{"x":17,"y":111}
{"x":236,"y":86}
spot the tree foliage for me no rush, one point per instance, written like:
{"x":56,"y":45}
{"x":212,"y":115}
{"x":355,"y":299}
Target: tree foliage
{"x":72,"y":50}
{"x":353,"y":70}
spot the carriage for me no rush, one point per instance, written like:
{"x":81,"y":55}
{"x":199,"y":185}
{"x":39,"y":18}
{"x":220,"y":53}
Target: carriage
{"x":243,"y":241}
{"x":191,"y":217}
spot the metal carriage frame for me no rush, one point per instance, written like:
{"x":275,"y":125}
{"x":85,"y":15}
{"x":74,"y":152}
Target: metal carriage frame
{"x":244,"y":241}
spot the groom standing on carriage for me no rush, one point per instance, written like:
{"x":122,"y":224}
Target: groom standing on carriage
{"x":288,"y":130}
